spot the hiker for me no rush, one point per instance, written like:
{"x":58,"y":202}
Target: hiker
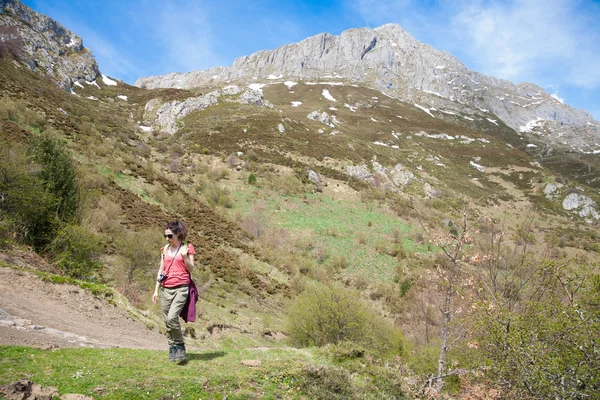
{"x":174,"y":279}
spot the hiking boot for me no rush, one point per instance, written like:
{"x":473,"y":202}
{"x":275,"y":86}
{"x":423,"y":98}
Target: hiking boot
{"x":172,"y":353}
{"x":179,"y":352}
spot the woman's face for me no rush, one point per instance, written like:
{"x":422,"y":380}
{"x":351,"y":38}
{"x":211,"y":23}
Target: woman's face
{"x":170,"y":236}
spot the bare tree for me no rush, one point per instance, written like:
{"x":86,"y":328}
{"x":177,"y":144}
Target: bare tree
{"x":11,"y":43}
{"x":451,"y":242}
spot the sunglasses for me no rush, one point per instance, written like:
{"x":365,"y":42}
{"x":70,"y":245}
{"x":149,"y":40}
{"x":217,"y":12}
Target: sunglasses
{"x":170,"y":236}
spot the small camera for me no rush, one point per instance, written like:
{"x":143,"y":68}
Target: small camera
{"x":161,"y":278}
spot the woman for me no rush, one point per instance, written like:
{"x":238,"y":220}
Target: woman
{"x":174,"y":279}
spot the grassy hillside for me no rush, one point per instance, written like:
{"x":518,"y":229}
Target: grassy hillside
{"x":484,"y":243}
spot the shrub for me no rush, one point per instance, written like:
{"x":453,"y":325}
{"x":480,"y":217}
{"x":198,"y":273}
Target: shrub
{"x":77,"y":251}
{"x":323,"y":315}
{"x":324,"y":382}
{"x":251,"y":179}
{"x":343,"y":351}
{"x":216,"y":196}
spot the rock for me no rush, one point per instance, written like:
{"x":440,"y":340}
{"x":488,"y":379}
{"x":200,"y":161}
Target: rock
{"x":48,"y":47}
{"x":166,"y":116}
{"x":251,"y":363}
{"x":313,"y":177}
{"x":254,"y":97}
{"x":22,"y":322}
{"x":323,"y":118}
{"x":281,"y":128}
{"x":313,"y":115}
{"x":360,"y":172}
{"x":586,"y":206}
{"x":551,"y":188}
{"x":430,"y":191}
{"x":401,"y":176}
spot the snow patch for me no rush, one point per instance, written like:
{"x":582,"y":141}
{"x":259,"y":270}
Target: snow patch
{"x":424,"y":109}
{"x":328,"y":95}
{"x":326,"y":83}
{"x":107,"y":81}
{"x":122,"y":97}
{"x":257,"y":86}
{"x":353,"y":109}
{"x":92,"y":83}
{"x":272,"y":77}
{"x":296,"y":103}
{"x":78,"y":84}
{"x":536,"y":123}
{"x":477,"y":166}
{"x":443,"y":136}
{"x":493,"y":121}
{"x":146,"y":128}
{"x":290,"y":84}
{"x":92,"y":98}
{"x":435,"y":93}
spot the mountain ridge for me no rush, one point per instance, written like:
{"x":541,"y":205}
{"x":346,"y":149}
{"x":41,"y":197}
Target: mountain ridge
{"x":390,"y":60}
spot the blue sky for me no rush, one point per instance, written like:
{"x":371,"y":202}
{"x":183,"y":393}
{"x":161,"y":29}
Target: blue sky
{"x":552,"y":43}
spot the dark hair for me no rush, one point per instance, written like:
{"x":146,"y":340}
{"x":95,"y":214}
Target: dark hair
{"x":178,"y":228}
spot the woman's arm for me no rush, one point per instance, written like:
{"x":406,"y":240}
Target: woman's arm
{"x":160,"y":271}
{"x":187,"y":258}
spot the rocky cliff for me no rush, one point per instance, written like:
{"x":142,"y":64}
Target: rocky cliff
{"x":47,"y":47}
{"x":389,"y":59}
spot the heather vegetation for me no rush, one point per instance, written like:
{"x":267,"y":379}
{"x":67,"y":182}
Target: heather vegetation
{"x":483,"y":289}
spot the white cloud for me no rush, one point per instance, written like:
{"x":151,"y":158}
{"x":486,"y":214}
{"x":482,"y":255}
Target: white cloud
{"x":529,"y":40}
{"x":555,"y":95}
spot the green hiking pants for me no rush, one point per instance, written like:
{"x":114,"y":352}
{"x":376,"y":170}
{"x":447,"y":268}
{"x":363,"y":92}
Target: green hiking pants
{"x":172,"y":301}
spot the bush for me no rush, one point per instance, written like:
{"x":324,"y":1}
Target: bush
{"x":77,"y":252}
{"x":215,"y":196}
{"x":251,"y":179}
{"x":323,"y":382}
{"x":322,"y":315}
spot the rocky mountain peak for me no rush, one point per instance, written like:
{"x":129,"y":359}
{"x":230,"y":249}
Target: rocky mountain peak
{"x":47,"y":47}
{"x":389,"y":59}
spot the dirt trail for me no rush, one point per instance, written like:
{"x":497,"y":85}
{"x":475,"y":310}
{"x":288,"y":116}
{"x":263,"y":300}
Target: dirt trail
{"x":41,"y":314}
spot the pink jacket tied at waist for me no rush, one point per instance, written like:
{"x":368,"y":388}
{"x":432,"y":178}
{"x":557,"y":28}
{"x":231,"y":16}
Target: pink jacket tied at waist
{"x":188,"y":313}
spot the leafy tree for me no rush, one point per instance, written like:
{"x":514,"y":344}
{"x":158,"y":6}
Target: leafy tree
{"x":27,"y":210}
{"x":58,"y":174}
{"x":538,"y":323}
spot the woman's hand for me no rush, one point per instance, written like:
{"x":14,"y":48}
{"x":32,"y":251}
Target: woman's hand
{"x":155,"y":297}
{"x":184,"y":250}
